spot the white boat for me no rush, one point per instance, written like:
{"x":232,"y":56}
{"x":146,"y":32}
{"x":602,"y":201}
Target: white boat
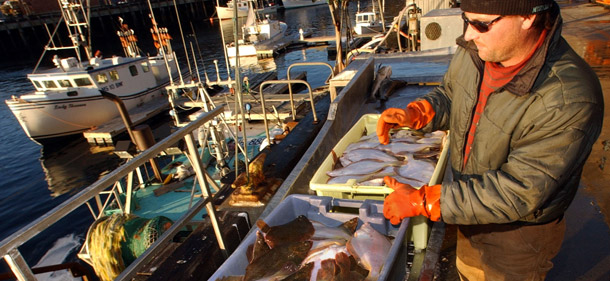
{"x":67,"y":98}
{"x":291,"y":4}
{"x":256,"y":33}
{"x":367,"y":22}
{"x":242,"y":9}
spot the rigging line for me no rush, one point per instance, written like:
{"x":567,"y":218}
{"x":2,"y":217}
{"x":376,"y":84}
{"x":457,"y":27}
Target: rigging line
{"x":56,"y":118}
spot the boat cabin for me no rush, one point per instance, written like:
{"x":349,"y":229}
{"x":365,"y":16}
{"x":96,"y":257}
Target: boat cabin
{"x":366,"y":17}
{"x":104,"y":74}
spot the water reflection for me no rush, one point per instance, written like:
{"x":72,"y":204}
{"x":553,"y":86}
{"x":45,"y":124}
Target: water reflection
{"x":75,"y":165}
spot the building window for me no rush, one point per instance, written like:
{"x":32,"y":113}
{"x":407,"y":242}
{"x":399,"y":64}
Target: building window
{"x":133,"y":70}
{"x":114,"y":75}
{"x":81,"y":82}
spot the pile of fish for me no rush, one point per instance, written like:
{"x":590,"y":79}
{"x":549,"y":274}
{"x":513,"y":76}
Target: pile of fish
{"x":410,"y":158}
{"x":308,"y":250}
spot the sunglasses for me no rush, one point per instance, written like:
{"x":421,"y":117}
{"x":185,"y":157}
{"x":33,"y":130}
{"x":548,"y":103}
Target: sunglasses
{"x":480,"y":26}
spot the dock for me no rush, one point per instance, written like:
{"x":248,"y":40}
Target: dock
{"x":103,"y":134}
{"x":277,"y":105}
{"x":271,"y":49}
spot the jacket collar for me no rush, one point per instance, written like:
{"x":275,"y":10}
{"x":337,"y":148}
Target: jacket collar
{"x":539,"y":63}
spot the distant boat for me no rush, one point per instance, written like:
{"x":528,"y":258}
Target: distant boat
{"x":263,"y":7}
{"x":67,"y":99}
{"x":367,"y":22}
{"x":291,"y":4}
{"x":256,"y":32}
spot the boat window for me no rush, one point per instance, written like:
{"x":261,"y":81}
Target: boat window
{"x":64,"y":83}
{"x":37,"y":84}
{"x":101,"y":78}
{"x":49,"y":84}
{"x":133,"y":70}
{"x":83,"y":82}
{"x":114,"y":75}
{"x":72,"y":93}
{"x":145,"y":67}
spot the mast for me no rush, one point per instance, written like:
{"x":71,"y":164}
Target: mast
{"x":77,"y":22}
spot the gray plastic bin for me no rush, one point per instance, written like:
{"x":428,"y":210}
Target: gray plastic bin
{"x":320,"y":208}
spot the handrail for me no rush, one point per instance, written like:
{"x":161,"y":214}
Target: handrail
{"x":9,"y":245}
{"x":289,"y":82}
{"x":332,"y":74}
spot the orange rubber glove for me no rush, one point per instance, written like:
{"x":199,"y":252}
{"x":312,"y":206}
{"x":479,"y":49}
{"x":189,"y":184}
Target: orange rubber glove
{"x":415,"y":116}
{"x":406,"y":201}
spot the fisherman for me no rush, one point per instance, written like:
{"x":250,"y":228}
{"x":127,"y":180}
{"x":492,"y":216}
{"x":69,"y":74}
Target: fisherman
{"x":523,"y":110}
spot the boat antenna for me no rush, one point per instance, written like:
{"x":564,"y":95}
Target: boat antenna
{"x":88,"y":19}
{"x":224,"y":49}
{"x":205,"y":72}
{"x":73,"y":13}
{"x":239,"y":94}
{"x":186,"y":53}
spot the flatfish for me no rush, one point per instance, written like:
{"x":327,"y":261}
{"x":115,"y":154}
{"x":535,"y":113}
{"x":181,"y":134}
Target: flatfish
{"x":257,"y":249}
{"x":362,"y":168}
{"x":402,"y":148}
{"x":324,"y":261}
{"x":344,"y":231}
{"x":279,"y":262}
{"x":360,"y":154}
{"x":343,"y":179}
{"x":360,"y":145}
{"x":299,"y":229}
{"x":370,"y":248}
{"x":419,"y":170}
{"x":304,"y":273}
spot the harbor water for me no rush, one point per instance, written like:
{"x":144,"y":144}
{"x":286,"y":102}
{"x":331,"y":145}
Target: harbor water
{"x":35,"y":179}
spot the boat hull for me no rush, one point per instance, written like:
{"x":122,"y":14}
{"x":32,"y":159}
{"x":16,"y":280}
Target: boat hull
{"x":47,"y":118}
{"x":225,"y":13}
{"x":367,"y":29}
{"x":292,"y":4}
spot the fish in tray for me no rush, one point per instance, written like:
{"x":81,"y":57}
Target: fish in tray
{"x":279,"y":262}
{"x":418,"y":170}
{"x":299,"y":229}
{"x":410,"y":158}
{"x":309,"y":250}
{"x":371,"y":248}
{"x":365,"y":154}
{"x":363,"y":167}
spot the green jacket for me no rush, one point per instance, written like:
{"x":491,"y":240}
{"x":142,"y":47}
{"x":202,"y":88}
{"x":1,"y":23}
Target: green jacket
{"x":531,"y":142}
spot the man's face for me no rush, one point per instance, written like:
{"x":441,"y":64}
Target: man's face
{"x":502,"y":40}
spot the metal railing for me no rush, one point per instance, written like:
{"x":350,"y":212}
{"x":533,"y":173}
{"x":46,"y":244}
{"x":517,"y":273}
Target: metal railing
{"x":9,"y":246}
{"x":332,"y":75}
{"x":290,"y":94}
{"x":289,"y":82}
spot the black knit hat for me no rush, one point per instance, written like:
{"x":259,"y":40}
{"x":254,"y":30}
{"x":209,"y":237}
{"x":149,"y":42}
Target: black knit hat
{"x":506,"y":7}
